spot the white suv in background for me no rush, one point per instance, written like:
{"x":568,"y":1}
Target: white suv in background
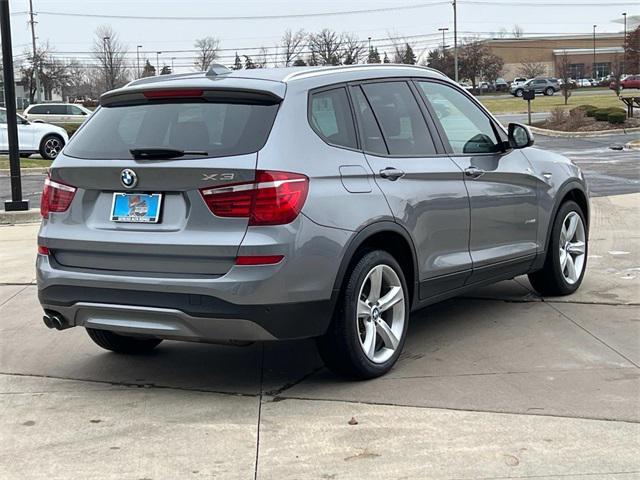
{"x":42,"y":138}
{"x":57,"y":113}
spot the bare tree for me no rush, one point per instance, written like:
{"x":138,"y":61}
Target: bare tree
{"x":110,"y":54}
{"x":353,"y":49}
{"x":476,"y":61}
{"x":532,"y":69}
{"x":326,"y":47}
{"x":517,"y":31}
{"x":207,"y":51}
{"x":564,"y":73}
{"x":501,"y":33}
{"x":292,"y":44}
{"x":261,"y":58}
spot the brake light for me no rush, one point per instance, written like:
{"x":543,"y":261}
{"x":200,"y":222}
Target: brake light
{"x":175,"y":93}
{"x":42,"y":250}
{"x":56,"y":197}
{"x":274,"y":198}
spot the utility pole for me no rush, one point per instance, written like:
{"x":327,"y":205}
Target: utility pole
{"x":172,"y":59}
{"x":593,"y":69}
{"x":16,"y":202}
{"x":36,"y":76}
{"x":455,"y":41}
{"x":624,"y":45}
{"x":158,"y":63}
{"x":443,"y":41}
{"x":138,"y":59}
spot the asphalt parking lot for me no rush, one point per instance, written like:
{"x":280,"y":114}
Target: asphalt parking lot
{"x":498,"y":384}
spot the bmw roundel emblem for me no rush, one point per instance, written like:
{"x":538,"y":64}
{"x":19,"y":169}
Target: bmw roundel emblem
{"x":128,"y":178}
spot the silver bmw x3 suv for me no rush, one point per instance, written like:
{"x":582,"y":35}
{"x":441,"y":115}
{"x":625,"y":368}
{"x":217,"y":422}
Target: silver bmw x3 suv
{"x":291,"y":203}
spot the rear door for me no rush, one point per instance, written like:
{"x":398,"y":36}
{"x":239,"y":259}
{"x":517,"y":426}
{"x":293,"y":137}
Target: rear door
{"x":221,"y":137}
{"x":424,"y":188}
{"x":501,"y":184}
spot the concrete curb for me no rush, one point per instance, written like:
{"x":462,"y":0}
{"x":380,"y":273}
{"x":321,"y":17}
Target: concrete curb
{"x":5,"y":172}
{"x":597,"y":133}
{"x":26,"y":216}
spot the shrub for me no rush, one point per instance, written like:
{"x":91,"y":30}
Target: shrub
{"x":576,"y":119}
{"x":617,"y":117}
{"x":602,"y":115}
{"x":557,"y":116}
{"x":70,"y":127}
{"x":583,"y":108}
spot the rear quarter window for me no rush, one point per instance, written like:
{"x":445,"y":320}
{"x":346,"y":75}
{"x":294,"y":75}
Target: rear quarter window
{"x":331,"y":118}
{"x":219,"y":129}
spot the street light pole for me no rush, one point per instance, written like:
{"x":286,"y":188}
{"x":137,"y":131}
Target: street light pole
{"x":138,"y":59}
{"x":158,"y":63}
{"x":172,"y":59}
{"x":36,"y":75}
{"x":443,"y":41}
{"x":455,"y":41}
{"x":593,"y":68}
{"x":624,"y":44}
{"x":16,"y":203}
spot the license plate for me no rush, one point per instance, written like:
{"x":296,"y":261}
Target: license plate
{"x":136,"y":207}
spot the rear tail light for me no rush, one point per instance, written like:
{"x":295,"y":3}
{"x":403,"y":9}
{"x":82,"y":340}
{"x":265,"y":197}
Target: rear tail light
{"x":274,"y":198}
{"x":259,"y":259}
{"x":56,"y":197}
{"x":43,"y":250}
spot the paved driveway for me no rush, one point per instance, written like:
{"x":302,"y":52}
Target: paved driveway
{"x":499,"y":384}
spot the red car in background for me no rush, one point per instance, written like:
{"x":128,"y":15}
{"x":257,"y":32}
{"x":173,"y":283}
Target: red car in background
{"x":632,"y":81}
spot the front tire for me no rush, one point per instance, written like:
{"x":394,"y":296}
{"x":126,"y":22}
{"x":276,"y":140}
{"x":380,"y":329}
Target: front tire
{"x":50,"y":146}
{"x":566,"y":260}
{"x":549,"y":92}
{"x":121,"y":343}
{"x":519,"y":92}
{"x":368,"y":331}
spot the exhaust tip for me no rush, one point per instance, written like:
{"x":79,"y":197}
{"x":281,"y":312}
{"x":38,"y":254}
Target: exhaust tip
{"x":55,"y":320}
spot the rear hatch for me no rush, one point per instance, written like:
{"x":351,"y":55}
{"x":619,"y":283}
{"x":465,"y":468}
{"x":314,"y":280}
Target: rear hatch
{"x":141,"y":168}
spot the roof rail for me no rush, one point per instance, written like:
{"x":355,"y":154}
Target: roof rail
{"x":216,"y":69}
{"x":328,"y":70}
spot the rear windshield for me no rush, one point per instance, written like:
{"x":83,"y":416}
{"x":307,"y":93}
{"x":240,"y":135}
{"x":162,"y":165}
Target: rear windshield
{"x":219,"y":129}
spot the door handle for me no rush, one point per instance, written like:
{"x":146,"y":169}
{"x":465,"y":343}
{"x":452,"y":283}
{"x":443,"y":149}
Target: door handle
{"x":391,"y":173}
{"x":474,"y":172}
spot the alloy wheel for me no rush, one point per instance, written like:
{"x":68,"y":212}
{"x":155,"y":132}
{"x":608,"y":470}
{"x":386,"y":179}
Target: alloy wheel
{"x":381,"y":313}
{"x":572,"y":247}
{"x":52,"y":147}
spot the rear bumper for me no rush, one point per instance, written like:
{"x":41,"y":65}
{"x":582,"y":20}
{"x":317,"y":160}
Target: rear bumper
{"x":180,"y":316}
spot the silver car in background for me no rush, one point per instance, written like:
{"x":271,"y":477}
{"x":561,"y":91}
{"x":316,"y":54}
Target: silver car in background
{"x":273,"y":204}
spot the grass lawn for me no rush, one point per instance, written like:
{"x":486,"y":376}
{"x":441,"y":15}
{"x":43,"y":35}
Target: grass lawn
{"x":25,"y":162}
{"x":546,"y":104}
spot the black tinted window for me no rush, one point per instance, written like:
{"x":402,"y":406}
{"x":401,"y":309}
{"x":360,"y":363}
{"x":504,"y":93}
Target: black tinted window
{"x":331,"y":117}
{"x":372,"y":140}
{"x":220,"y":129}
{"x":400,"y":119}
{"x":38,"y":109}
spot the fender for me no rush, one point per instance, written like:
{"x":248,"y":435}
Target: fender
{"x":358,"y":239}
{"x":565,"y":188}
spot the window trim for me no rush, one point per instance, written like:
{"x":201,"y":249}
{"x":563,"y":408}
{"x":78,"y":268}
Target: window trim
{"x":326,"y":88}
{"x":439,"y":147}
{"x":495,"y":125}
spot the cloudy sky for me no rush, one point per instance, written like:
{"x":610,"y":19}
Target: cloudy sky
{"x":172,"y":26}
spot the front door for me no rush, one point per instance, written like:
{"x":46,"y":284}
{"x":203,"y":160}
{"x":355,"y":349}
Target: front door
{"x":424,"y":188}
{"x":501,"y":184}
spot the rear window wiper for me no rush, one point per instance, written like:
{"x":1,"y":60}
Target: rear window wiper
{"x":160,"y":153}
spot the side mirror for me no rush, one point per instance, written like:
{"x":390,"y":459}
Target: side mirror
{"x":520,"y":136}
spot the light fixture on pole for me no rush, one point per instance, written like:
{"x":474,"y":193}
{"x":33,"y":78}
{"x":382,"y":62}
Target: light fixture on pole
{"x":158,"y":63}
{"x":455,"y":41}
{"x":138,"y":59}
{"x":594,"y":73}
{"x":172,"y":59}
{"x":624,"y":44}
{"x":444,"y":29}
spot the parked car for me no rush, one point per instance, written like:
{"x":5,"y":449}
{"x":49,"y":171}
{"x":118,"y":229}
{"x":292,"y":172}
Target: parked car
{"x":518,"y":81}
{"x":57,"y":113}
{"x":42,"y":138}
{"x":545,"y":86}
{"x":320,"y":202}
{"x":501,"y":85}
{"x":585,"y":82}
{"x":466,"y":86}
{"x":630,"y":81}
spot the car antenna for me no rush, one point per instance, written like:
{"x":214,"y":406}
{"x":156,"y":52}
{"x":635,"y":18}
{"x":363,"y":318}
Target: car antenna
{"x":216,"y":69}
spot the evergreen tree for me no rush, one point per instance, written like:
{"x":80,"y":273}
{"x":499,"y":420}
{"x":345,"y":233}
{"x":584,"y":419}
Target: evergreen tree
{"x":237,"y":64}
{"x":148,"y":70}
{"x":374,"y":56}
{"x":165,"y":70}
{"x":386,"y":58}
{"x":248,"y":63}
{"x":409,"y":57}
{"x":299,"y":63}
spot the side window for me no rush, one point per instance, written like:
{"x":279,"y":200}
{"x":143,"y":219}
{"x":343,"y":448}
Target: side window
{"x":331,"y":117}
{"x":403,"y":126}
{"x":73,"y":110}
{"x":467,"y":128}
{"x":372,"y":140}
{"x":38,"y":109}
{"x":58,"y":109}
{"x":3,"y":116}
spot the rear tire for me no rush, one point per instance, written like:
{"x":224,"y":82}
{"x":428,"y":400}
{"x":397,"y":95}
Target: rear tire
{"x":121,"y":343}
{"x":566,"y":261}
{"x":50,"y":146}
{"x":369,"y":327}
{"x":549,"y":91}
{"x":519,"y":92}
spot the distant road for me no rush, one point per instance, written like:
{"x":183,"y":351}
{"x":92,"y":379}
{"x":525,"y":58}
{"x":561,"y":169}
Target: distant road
{"x":577,"y":92}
